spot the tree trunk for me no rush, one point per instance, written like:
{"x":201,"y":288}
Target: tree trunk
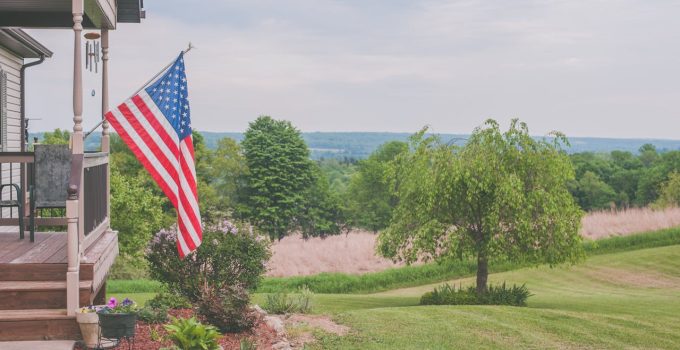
{"x":482,"y":272}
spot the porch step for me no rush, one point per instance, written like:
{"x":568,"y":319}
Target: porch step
{"x":18,"y":295}
{"x":41,"y":272}
{"x":34,"y":314}
{"x":37,"y":324}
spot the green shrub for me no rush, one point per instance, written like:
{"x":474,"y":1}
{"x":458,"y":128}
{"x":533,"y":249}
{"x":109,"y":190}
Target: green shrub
{"x":153,"y":315}
{"x":283,"y":303}
{"x":228,"y":308}
{"x":216,"y":277}
{"x":168,"y":301}
{"x":189,"y":334}
{"x":129,"y":267}
{"x":496,"y":295}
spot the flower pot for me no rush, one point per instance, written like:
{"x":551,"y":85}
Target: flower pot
{"x":89,"y":328}
{"x":117,"y":326}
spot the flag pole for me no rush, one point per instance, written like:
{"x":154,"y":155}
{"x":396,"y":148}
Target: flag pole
{"x":140,"y":89}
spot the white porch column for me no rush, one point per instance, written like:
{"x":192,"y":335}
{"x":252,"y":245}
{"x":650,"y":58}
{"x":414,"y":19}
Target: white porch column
{"x":105,"y":89}
{"x":77,"y":137}
{"x":73,"y":205}
{"x":106,"y":141}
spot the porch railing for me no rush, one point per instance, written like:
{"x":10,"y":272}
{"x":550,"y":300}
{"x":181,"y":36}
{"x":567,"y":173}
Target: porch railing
{"x":95,"y":196}
{"x":89,"y":179}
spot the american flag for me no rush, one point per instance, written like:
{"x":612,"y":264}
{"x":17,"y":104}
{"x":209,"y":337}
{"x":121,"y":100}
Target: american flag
{"x":156,"y":124}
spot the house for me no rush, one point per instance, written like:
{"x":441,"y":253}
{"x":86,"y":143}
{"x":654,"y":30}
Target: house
{"x":46,"y":277}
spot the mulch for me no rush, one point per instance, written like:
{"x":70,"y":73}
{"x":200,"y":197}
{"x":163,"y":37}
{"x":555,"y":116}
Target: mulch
{"x":152,"y":336}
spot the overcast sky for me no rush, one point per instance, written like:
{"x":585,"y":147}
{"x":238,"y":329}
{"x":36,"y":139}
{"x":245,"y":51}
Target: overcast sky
{"x":587,"y":68}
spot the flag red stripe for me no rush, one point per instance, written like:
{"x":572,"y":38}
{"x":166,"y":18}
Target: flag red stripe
{"x":142,"y":158}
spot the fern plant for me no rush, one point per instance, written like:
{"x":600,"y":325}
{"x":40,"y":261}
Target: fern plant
{"x":189,"y":334}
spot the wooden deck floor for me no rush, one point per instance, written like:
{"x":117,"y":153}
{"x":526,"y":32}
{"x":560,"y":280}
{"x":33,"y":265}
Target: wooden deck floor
{"x":48,"y":248}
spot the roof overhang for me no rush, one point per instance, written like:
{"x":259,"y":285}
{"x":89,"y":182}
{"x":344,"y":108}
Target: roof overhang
{"x":58,"y":13}
{"x":22,"y":44}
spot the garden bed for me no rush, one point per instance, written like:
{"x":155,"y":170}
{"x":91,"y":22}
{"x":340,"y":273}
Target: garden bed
{"x":152,"y":336}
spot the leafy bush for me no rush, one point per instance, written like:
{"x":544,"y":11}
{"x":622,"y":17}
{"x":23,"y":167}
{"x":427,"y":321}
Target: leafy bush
{"x":495,"y":295}
{"x":227,"y":308}
{"x":189,"y":334}
{"x":215,"y":278}
{"x":283,"y":303}
{"x":153,"y":315}
{"x":168,"y":301}
{"x":129,"y":267}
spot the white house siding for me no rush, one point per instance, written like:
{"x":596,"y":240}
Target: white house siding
{"x":11,"y":64}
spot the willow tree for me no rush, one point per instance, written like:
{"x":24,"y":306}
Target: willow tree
{"x":501,"y":196}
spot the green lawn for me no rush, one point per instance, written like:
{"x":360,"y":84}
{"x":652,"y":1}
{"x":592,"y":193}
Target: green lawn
{"x":627,"y":300}
{"x":617,"y":301}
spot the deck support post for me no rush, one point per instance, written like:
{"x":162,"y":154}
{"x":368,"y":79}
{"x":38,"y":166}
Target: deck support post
{"x":74,"y":207}
{"x":73,"y":247}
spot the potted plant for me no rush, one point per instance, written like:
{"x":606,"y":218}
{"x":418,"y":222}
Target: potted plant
{"x":117,"y":320}
{"x":88,"y":321}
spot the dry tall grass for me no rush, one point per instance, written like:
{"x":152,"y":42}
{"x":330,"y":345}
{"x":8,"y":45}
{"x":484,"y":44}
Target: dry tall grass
{"x":624,"y":222}
{"x":350,"y":253}
{"x":355,"y":252}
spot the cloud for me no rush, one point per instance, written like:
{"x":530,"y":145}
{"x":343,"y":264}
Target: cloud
{"x":585,"y":68}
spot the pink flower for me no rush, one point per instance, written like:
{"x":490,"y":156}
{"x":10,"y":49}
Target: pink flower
{"x":112,"y":303}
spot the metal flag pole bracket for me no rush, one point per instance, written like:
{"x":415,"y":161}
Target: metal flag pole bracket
{"x":140,"y":89}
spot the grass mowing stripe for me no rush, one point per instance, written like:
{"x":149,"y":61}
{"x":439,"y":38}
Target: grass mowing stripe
{"x":408,"y":276}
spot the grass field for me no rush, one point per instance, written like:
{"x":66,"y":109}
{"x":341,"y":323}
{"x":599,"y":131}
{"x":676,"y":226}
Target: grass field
{"x":622,"y":300}
{"x":407,"y":276}
{"x":612,"y":301}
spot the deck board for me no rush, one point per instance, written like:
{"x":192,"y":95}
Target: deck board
{"x":48,"y":248}
{"x":58,"y":256}
{"x":39,"y":253}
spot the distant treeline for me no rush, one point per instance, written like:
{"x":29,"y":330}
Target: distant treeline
{"x":359,"y":145}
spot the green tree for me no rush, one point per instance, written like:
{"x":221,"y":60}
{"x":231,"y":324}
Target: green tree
{"x":670,"y":192}
{"x":593,"y":193}
{"x":501,"y":196}
{"x":57,"y":137}
{"x":321,"y":209}
{"x":279,"y":173}
{"x":228,"y":171}
{"x":369,"y":198}
{"x":136,"y":212}
{"x":648,"y":154}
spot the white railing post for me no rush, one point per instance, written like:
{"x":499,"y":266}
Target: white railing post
{"x":73,"y":246}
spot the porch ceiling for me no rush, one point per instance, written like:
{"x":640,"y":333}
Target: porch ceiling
{"x":57,"y":13}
